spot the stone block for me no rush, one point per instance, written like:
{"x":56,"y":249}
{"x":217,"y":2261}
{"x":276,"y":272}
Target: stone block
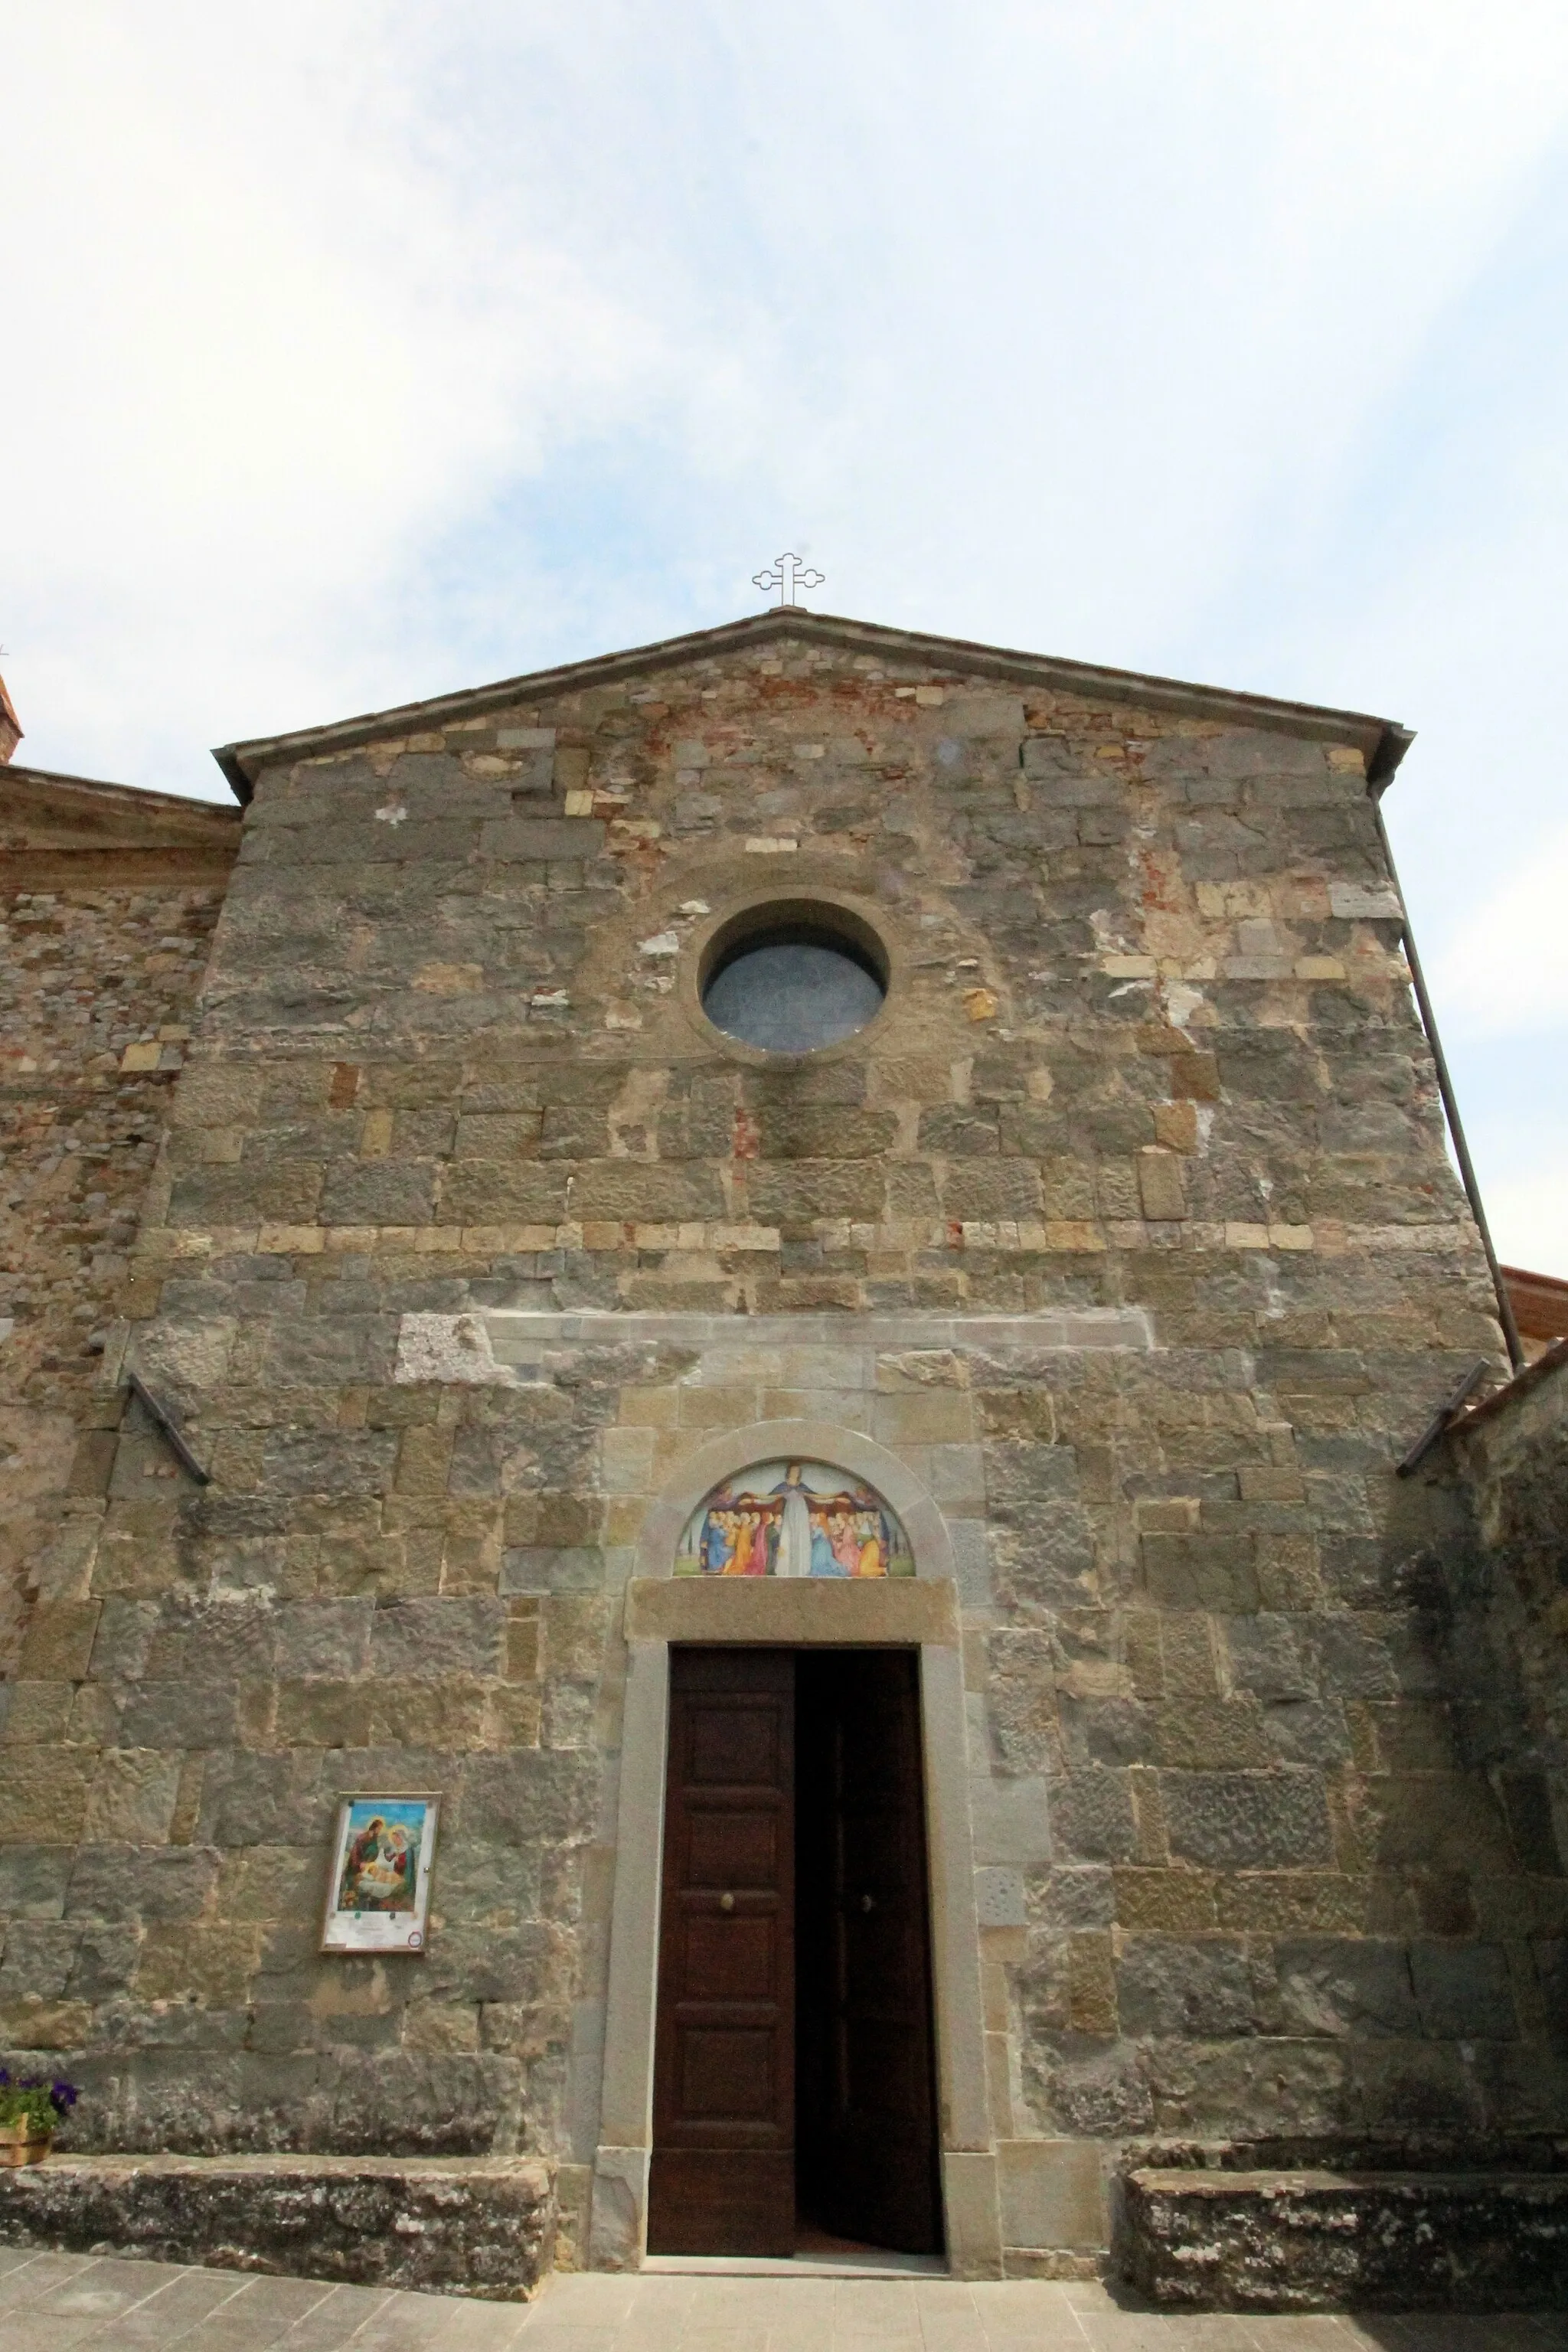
{"x":378,"y":1191}
{"x":540,"y":840}
{"x":1442,"y":1821}
{"x":33,"y":1880}
{"x":1463,"y":1991}
{"x":43,"y":1796}
{"x":1345,"y":1985}
{"x":804,"y":1191}
{"x":1199,"y":1990}
{"x":133,"y":1798}
{"x":192,"y":1713}
{"x":322,"y":1637}
{"x":1172,"y":1901}
{"x":1160,"y":1184}
{"x":446,"y":1713}
{"x":971,"y":2213}
{"x":424,"y":1639}
{"x":322,"y":1712}
{"x":59,"y":1641}
{"x":1011,"y":1820}
{"x":540,"y":1567}
{"x":328,"y":1462}
{"x":1052,"y":2193}
{"x":1198,"y":1732}
{"x":1201,"y":1571}
{"x":999,"y":1898}
{"x":529,"y":1799}
{"x":1248,"y":1820}
{"x":485,"y":1192}
{"x":121,"y":1882}
{"x":1091,"y":1816}
{"x":211,"y":1963}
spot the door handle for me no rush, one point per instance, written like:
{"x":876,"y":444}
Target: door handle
{"x":868,"y":1903}
{"x":726,"y":1902}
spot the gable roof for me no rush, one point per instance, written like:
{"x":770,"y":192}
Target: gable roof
{"x":1381,"y":740}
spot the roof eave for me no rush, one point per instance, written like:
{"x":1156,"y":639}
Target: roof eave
{"x":1382,"y":741}
{"x":135,"y":798}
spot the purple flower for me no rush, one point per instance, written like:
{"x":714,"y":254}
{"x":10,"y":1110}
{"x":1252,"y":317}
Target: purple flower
{"x":62,"y":2096}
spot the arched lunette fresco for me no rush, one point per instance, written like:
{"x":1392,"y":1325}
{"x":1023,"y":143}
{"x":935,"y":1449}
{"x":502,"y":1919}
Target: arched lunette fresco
{"x":794,"y":1518}
{"x":915,"y":1608}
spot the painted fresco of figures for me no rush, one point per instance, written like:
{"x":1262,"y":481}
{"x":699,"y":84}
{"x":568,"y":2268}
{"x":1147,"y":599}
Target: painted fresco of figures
{"x":794,"y":1518}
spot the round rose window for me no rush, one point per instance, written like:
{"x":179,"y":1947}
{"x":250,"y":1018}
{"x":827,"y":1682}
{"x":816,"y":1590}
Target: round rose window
{"x":791,"y":979}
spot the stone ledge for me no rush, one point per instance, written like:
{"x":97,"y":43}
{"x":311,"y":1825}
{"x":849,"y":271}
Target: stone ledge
{"x":1332,"y":2241}
{"x":477,"y":2226}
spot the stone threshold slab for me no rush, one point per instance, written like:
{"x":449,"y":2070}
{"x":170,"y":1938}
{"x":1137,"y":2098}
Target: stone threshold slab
{"x":481,"y":2226}
{"x":1322,"y":2241}
{"x":870,"y":2265}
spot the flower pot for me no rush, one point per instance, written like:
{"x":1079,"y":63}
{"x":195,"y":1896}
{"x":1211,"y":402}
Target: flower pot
{"x":24,"y":2143}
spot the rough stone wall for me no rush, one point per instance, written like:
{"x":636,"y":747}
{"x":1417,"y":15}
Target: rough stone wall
{"x":98,"y":975}
{"x":1498,"y":1577}
{"x":1149,"y":1051}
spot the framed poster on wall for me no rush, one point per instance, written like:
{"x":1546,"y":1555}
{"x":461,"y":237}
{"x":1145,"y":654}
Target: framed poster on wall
{"x":378,"y":1894}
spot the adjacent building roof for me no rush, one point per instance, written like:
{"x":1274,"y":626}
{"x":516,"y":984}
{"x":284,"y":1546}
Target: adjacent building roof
{"x":1381,"y":740}
{"x":1539,"y":1303}
{"x":61,"y":830}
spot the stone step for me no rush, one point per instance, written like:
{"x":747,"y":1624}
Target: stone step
{"x":1314,"y":2240}
{"x":480,"y":2226}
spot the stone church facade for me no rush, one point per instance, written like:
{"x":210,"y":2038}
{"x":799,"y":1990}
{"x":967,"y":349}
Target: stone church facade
{"x":1118,"y":1254}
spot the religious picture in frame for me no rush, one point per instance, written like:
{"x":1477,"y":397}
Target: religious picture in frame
{"x":378,"y":1897}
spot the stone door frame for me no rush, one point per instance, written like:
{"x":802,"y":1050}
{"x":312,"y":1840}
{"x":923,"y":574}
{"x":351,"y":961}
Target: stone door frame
{"x":799,"y":1614}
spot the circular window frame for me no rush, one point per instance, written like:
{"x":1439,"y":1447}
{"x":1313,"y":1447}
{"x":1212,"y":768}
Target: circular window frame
{"x":831,"y":914}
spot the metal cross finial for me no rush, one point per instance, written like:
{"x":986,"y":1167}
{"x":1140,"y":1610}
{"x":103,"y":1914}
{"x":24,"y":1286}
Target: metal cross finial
{"x":786,"y":573}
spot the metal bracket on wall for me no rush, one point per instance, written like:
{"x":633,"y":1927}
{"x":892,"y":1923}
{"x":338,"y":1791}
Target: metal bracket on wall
{"x":1441,"y":1419}
{"x":168,"y":1429}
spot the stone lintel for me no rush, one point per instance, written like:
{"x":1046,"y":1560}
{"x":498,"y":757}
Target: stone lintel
{"x":791,"y":1613}
{"x":511,"y":1330}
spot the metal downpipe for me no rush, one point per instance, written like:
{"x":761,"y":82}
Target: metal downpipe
{"x":1451,"y":1103}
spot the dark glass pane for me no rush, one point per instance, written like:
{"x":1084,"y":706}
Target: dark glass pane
{"x":792,"y":996}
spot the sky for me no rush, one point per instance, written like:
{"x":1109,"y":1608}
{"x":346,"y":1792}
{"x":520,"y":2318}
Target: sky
{"x":358,"y":354}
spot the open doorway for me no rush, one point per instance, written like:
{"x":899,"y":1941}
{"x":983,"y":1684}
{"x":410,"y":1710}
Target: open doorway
{"x":795,"y":2098}
{"x":866,"y":2158}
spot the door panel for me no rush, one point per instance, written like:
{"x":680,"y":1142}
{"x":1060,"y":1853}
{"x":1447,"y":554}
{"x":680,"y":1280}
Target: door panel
{"x":868,"y":2159}
{"x":722,"y":2177}
{"x":730,"y":1850}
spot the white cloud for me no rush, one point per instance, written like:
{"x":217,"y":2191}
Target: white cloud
{"x":1529,"y":1217}
{"x":1504,"y":971}
{"x":357,"y":353}
{"x":353,"y":348}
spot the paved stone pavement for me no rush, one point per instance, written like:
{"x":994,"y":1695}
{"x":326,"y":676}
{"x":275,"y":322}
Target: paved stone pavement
{"x":58,"y":2303}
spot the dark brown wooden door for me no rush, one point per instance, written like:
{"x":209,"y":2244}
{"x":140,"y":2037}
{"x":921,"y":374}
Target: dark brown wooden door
{"x":722,"y":2178}
{"x":867,"y":2163}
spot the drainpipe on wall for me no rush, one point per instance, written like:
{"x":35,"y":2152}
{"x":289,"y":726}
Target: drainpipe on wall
{"x":1450,"y":1102}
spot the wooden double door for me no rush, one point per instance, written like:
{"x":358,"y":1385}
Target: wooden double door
{"x":793,"y":2081}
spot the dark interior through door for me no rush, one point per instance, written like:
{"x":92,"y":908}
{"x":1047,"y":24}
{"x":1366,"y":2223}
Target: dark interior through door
{"x":793,"y":2081}
{"x":865,"y":2149}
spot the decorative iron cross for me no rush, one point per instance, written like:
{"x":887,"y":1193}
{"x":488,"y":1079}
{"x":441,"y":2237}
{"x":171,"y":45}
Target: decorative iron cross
{"x":786,"y":573}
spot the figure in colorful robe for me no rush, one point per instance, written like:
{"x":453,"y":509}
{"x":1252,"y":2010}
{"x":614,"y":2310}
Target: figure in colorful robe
{"x":794,"y":1536}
